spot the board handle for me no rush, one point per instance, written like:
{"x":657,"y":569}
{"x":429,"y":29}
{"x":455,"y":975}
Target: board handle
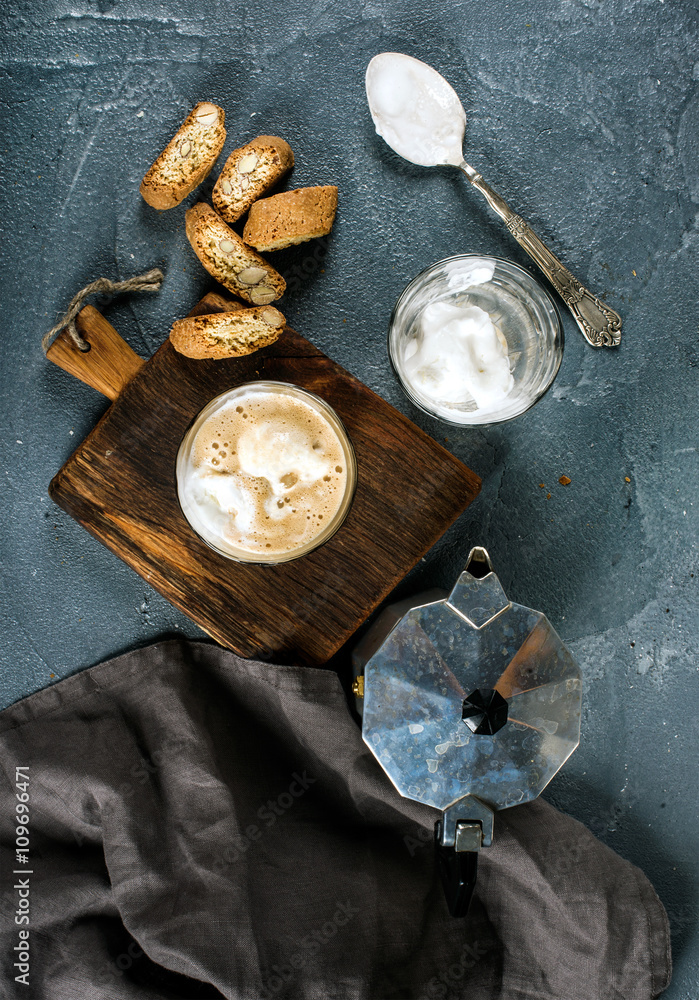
{"x":107,"y":366}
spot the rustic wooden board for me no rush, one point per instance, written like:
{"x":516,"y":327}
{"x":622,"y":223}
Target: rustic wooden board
{"x":120,"y":485}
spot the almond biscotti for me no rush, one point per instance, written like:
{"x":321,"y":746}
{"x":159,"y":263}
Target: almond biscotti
{"x":227,"y":335}
{"x":187,"y":158}
{"x":229,"y":260}
{"x":291,"y":217}
{"x":248,"y":173}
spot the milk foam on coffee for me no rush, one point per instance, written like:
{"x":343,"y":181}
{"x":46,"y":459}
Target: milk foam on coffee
{"x":266,"y":474}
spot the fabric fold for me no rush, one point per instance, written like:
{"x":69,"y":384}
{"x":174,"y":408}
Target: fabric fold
{"x":207,"y":826}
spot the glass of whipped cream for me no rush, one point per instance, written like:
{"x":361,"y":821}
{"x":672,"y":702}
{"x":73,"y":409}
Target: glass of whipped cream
{"x":266,"y":473}
{"x":475,"y":340}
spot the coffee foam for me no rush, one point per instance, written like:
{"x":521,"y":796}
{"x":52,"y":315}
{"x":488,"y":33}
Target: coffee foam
{"x":266,"y":474}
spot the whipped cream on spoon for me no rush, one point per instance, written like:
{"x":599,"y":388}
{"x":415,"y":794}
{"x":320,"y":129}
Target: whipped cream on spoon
{"x":422,"y":119}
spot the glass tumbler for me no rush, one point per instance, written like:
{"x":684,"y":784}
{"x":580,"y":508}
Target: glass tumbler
{"x":521,"y":311}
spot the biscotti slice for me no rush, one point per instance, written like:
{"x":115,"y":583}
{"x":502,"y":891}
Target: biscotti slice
{"x":229,"y":260}
{"x":229,"y":334}
{"x":248,"y":173}
{"x":187,"y":158}
{"x":291,"y":217}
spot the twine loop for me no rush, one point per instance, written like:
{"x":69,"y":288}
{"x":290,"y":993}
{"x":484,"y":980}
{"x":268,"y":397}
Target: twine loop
{"x":150,"y":281}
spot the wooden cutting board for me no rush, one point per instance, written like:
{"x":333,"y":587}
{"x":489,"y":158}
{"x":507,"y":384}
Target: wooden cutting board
{"x":120,"y":485}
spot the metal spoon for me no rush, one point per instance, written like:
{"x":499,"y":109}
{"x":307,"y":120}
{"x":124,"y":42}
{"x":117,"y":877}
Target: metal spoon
{"x":422,"y":119}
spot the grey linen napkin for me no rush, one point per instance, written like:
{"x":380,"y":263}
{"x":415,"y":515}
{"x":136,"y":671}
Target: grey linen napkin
{"x":206,"y":826}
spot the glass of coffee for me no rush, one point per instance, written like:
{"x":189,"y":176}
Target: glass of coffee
{"x":266,"y":473}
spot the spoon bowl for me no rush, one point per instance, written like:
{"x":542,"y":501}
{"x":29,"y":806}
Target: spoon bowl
{"x":415,"y":110}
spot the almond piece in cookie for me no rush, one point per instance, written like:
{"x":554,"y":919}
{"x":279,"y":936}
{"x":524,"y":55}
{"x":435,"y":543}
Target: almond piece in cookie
{"x":291,"y":217}
{"x":248,"y":173}
{"x":229,"y":260}
{"x":187,"y":158}
{"x":229,"y":334}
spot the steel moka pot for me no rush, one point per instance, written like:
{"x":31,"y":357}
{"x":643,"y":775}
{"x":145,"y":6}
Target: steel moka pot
{"x":471,"y":704}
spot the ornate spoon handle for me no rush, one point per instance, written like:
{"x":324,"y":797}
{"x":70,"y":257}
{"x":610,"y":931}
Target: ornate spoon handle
{"x":600,"y":325}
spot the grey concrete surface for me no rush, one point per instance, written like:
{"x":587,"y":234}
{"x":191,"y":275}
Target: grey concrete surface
{"x":584,"y":114}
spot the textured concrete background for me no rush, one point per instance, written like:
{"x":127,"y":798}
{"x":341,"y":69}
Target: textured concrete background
{"x":584,"y":114}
